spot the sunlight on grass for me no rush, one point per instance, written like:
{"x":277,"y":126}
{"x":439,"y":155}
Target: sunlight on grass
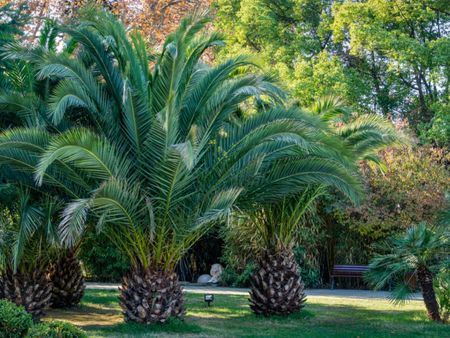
{"x":327,"y":317}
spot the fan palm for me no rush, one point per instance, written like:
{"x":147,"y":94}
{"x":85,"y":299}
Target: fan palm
{"x":160,"y":156}
{"x":419,"y":252}
{"x":24,"y":103}
{"x":28,"y":232}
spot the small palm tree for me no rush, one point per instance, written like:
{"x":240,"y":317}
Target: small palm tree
{"x":276,"y":286}
{"x":28,"y":233}
{"x":418,"y":253}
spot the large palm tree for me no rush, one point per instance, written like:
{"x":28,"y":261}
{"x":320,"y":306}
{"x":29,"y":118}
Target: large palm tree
{"x":159,"y":155}
{"x":24,"y":102}
{"x":420,"y":252}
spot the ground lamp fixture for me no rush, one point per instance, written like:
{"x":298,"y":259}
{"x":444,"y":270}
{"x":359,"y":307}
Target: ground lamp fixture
{"x":208,"y":298}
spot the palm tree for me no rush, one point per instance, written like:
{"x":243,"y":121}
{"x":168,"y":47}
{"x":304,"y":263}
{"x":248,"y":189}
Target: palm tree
{"x":24,"y":103}
{"x":273,"y":232}
{"x":28,"y":231}
{"x":160,"y":155}
{"x":419,"y":252}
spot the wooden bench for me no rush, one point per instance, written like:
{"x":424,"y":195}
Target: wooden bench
{"x":355,"y":271}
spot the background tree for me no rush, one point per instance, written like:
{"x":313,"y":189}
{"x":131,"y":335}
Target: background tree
{"x":387,"y":57}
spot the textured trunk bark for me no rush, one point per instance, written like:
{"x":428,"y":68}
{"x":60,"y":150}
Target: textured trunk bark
{"x":276,"y":287}
{"x":151,"y":296}
{"x":31,"y":290}
{"x":68,"y":281}
{"x":426,"y":283}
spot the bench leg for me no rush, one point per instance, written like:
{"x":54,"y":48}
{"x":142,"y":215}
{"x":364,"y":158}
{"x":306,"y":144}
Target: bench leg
{"x":332,"y":283}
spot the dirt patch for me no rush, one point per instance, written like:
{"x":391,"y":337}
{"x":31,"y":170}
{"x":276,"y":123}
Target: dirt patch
{"x":87,"y":316}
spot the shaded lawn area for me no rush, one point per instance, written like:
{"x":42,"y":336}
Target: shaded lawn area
{"x":230,"y":316}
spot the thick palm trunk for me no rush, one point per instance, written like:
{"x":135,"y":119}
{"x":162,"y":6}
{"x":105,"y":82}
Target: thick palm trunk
{"x":31,"y":290}
{"x":151,"y":296}
{"x":425,"y":278}
{"x":277,"y":288}
{"x":68,"y":281}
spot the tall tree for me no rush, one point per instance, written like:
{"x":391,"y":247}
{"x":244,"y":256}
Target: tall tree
{"x":388,"y":57}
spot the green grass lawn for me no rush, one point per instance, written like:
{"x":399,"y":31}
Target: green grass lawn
{"x":230,"y":316}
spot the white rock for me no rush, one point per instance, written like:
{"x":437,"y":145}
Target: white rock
{"x":203,"y":279}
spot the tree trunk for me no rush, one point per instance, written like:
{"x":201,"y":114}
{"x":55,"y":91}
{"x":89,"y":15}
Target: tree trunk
{"x":426,"y":283}
{"x":31,"y":290}
{"x":151,"y":296}
{"x":68,"y":281}
{"x":276,"y":287}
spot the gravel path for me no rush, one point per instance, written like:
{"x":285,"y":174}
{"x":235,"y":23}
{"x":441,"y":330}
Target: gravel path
{"x":339,"y":293}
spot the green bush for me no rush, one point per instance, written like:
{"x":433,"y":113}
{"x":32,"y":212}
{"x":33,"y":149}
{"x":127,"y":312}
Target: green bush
{"x":442,"y":289}
{"x":234,"y":278}
{"x":55,"y":329}
{"x":101,"y":260}
{"x":309,"y":272}
{"x":14,"y":320}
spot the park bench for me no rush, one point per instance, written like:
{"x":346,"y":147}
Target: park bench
{"x":351,"y":271}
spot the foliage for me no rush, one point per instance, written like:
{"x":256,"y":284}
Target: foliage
{"x":28,"y":234}
{"x":14,"y":320}
{"x":411,"y":189}
{"x":101,"y":260}
{"x":442,"y":288}
{"x":235,"y":278}
{"x":420,"y":246}
{"x":309,"y":267}
{"x":153,"y":18}
{"x":55,"y":329}
{"x":422,"y":251}
{"x":388,"y":57}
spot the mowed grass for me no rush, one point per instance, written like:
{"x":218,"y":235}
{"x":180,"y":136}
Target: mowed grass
{"x":230,"y":316}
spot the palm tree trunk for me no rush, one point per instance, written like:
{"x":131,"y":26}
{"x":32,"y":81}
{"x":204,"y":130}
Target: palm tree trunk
{"x":32,"y":290}
{"x":68,"y":281}
{"x":276,"y":287}
{"x":425,"y":278}
{"x":151,"y":296}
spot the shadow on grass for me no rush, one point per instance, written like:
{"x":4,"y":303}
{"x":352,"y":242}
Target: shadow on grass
{"x":230,"y":315}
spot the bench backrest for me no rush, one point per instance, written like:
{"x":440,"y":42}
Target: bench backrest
{"x":349,"y":270}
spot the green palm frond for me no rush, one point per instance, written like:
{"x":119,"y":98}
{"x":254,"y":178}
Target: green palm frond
{"x":164,"y":151}
{"x":422,"y":246}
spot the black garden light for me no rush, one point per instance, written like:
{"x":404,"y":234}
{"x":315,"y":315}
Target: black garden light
{"x":209,"y":298}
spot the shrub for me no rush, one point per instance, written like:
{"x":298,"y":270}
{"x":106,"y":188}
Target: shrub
{"x":14,"y":320}
{"x":102,"y":262}
{"x":55,"y":329}
{"x":309,"y":269}
{"x":236,"y":278}
{"x":442,"y":289}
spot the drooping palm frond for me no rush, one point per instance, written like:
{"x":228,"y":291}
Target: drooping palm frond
{"x":364,"y":134}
